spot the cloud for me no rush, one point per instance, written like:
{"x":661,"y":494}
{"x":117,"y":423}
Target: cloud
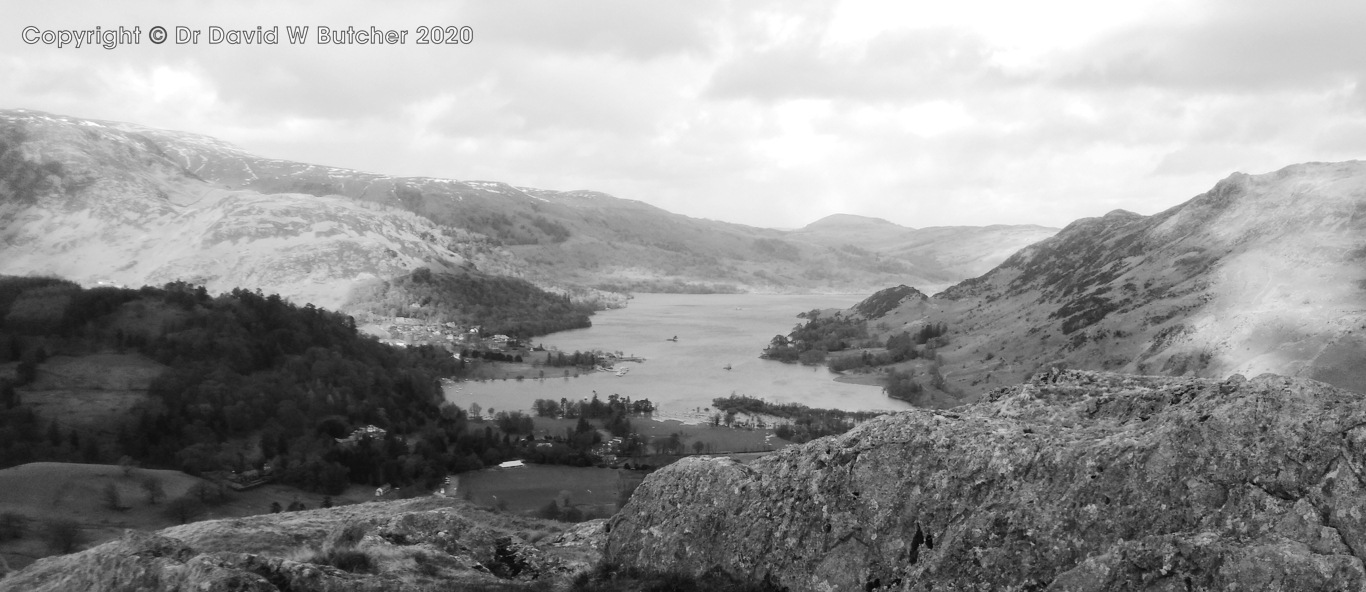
{"x":1231,"y":46}
{"x":894,"y":66}
{"x":767,"y":113}
{"x":619,"y":28}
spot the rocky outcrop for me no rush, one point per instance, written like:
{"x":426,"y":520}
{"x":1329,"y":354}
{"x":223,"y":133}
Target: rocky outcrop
{"x":883,"y":301}
{"x":1075,"y":481}
{"x":422,"y":544}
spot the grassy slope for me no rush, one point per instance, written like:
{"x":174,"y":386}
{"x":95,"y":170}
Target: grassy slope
{"x":47,"y":491}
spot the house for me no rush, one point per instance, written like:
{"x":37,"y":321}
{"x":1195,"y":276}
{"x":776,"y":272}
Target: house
{"x":361,"y":432}
{"x":512,"y":464}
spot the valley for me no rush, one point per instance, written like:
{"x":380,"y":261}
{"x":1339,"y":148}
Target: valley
{"x":345,"y":332}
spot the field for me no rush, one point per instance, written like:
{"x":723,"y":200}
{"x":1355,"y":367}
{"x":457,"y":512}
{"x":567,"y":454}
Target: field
{"x":715,"y":438}
{"x":531,"y":487}
{"x":43,"y":492}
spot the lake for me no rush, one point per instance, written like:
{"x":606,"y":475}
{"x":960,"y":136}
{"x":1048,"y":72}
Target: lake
{"x":679,"y":377}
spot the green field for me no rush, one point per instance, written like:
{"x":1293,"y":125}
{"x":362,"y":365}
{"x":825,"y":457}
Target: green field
{"x":716,"y":439}
{"x":46,"y":491}
{"x":531,"y":487}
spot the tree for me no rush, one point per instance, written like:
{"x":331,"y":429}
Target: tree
{"x":551,"y":511}
{"x":572,"y":514}
{"x":90,"y":451}
{"x":25,"y":373}
{"x":9,"y":398}
{"x":127,"y":464}
{"x":201,"y":491}
{"x":697,"y":446}
{"x":275,"y":508}
{"x":63,"y":536}
{"x":111,"y":498}
{"x":185,"y":509}
{"x":12,"y":526}
{"x":152,"y":487}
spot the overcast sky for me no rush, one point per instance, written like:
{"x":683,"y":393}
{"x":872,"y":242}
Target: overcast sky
{"x":763,"y":113}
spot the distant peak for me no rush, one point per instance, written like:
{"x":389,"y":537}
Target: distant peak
{"x":847,"y":220}
{"x":1122,"y":214}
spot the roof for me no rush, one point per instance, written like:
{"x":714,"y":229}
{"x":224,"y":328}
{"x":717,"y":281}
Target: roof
{"x":512,"y":464}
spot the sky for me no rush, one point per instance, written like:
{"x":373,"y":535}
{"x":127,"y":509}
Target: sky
{"x":770,"y":114}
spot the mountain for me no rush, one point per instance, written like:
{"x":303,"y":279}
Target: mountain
{"x":1074,"y":481}
{"x":100,"y":200}
{"x":100,"y":203}
{"x":943,"y":253}
{"x":1263,"y":273}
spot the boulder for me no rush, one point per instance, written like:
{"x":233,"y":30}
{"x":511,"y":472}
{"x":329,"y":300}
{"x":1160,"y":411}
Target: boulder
{"x":1074,"y":481}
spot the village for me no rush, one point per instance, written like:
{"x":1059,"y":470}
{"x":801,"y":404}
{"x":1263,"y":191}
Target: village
{"x":409,"y":332}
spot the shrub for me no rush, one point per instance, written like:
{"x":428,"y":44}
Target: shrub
{"x":152,"y":487}
{"x":185,"y":509}
{"x":346,"y":559}
{"x":607,"y":577}
{"x":352,"y":560}
{"x":63,"y":536}
{"x":112,"y":500}
{"x":12,"y":526}
{"x":347,"y":537}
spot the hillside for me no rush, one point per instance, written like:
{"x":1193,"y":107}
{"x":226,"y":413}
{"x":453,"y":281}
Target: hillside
{"x":108,"y":201}
{"x":943,"y":253}
{"x":95,"y":203}
{"x":501,"y":305}
{"x":208,"y":383}
{"x":1074,"y":481}
{"x":1263,"y":273}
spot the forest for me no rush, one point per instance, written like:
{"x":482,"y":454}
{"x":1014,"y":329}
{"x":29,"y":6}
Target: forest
{"x":808,"y":343}
{"x":252,"y":380}
{"x":502,"y":305}
{"x":899,"y":348}
{"x":804,"y":423}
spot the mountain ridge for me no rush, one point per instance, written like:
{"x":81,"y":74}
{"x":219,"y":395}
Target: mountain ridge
{"x":555,"y":238}
{"x":1262,"y":273}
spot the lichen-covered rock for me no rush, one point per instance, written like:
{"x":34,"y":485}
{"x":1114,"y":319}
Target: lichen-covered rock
{"x":588,"y":535}
{"x":411,"y":545}
{"x":1075,"y":481}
